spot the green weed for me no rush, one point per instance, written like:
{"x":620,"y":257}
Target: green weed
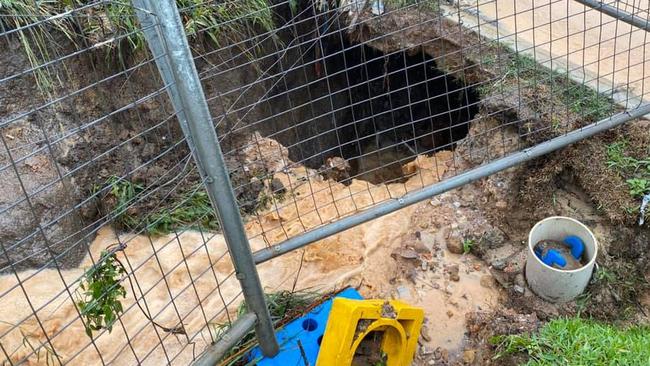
{"x":636,"y":172}
{"x":575,"y":341}
{"x":577,"y":98}
{"x":195,"y":210}
{"x":102,"y":289}
{"x":123,"y":192}
{"x":467,"y":245}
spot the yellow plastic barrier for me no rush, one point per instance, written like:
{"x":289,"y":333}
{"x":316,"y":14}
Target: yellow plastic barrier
{"x":351,"y":320}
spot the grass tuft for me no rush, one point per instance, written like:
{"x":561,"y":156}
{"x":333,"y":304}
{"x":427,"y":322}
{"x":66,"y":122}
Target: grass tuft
{"x":635,"y":171}
{"x":283,"y":306}
{"x":37,"y":34}
{"x":575,"y":341}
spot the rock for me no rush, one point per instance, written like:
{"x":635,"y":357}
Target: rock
{"x":424,"y":266}
{"x":520,"y":280}
{"x":408,"y":254}
{"x":453,"y":272}
{"x":424,"y":332}
{"x":277,"y":187}
{"x":468,"y":356}
{"x":499,"y":264}
{"x":455,"y":245}
{"x":403,"y":293}
{"x":427,"y":240}
{"x":519,"y":289}
{"x":450,"y":313}
{"x":441,"y":354}
{"x":487,"y":281}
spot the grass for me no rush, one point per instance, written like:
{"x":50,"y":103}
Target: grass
{"x":428,"y":5}
{"x":635,"y":171}
{"x":576,"y":341}
{"x":194,"y":210}
{"x":283,"y":306}
{"x":190,"y":210}
{"x":467,"y":245}
{"x":577,"y":98}
{"x":202,"y":20}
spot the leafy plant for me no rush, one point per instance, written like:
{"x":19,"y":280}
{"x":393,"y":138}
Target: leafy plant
{"x":638,"y":186}
{"x":193,"y":210}
{"x":467,"y":245}
{"x":100,"y":304}
{"x":636,"y":172}
{"x":576,"y":341}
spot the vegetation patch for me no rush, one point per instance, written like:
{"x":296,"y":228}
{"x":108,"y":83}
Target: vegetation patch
{"x":576,"y":341}
{"x":523,"y":71}
{"x":39,"y":25}
{"x":283,"y":306}
{"x":634,"y":170}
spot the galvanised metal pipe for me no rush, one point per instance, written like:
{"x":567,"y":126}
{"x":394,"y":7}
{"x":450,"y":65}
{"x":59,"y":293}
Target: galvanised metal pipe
{"x":483,"y":171}
{"x":237,"y":331}
{"x":209,"y":157}
{"x":617,"y":13}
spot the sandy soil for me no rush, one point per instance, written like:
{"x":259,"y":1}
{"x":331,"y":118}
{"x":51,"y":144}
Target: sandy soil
{"x":359,"y":256}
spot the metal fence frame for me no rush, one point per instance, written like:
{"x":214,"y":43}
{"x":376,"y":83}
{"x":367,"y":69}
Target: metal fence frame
{"x":179,"y":72}
{"x":161,"y":23}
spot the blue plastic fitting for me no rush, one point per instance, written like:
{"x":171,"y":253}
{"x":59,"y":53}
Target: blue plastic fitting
{"x":576,"y":245}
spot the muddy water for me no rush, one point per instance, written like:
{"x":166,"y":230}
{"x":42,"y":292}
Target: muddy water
{"x":197,"y":270}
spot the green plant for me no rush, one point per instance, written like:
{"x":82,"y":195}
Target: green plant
{"x":467,"y":245}
{"x":576,"y":341}
{"x":122,"y":193}
{"x":116,"y":22}
{"x":638,"y":186}
{"x":636,"y":172}
{"x":283,"y":306}
{"x":194,"y":210}
{"x":102,"y":289}
{"x":428,"y":5}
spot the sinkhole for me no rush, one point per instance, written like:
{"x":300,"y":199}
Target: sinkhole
{"x":376,"y":110}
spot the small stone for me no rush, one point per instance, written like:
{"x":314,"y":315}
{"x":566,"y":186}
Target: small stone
{"x":450,"y":313}
{"x":469,"y":356}
{"x":424,"y":266}
{"x":424,"y":225}
{"x":520,"y":280}
{"x":477,"y":266}
{"x":453,"y":272}
{"x":499,"y":264}
{"x":277,"y":187}
{"x":518,"y":289}
{"x":403,"y":293}
{"x":424,"y":331}
{"x":502,"y":205}
{"x":487,"y":281}
{"x":455,"y":245}
{"x":408,"y":254}
{"x":449,"y":289}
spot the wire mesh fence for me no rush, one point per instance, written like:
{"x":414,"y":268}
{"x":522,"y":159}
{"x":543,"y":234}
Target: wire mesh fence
{"x":111,"y":250}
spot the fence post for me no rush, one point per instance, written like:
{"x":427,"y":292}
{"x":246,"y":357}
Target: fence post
{"x":208,"y":156}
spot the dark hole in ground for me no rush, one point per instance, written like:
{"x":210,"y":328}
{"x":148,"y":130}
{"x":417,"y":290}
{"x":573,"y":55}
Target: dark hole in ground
{"x":377,"y":110}
{"x":400,"y":106}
